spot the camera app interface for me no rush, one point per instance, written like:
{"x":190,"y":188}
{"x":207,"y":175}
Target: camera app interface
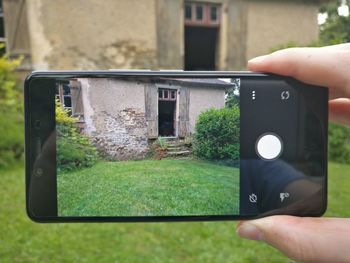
{"x":167,"y":146}
{"x":148,"y":146}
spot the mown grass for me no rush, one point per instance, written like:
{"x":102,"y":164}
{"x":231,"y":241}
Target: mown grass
{"x":24,"y":241}
{"x":150,"y":188}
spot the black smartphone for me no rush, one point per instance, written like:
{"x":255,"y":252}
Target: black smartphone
{"x":173,"y":146}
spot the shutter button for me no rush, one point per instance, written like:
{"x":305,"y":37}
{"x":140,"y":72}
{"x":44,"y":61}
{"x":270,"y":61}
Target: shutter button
{"x":269,"y":146}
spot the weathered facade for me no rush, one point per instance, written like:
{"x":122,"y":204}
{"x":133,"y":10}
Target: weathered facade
{"x":168,"y":34}
{"x":123,"y":116}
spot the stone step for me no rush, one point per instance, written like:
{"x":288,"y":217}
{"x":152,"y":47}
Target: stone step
{"x":178,"y":153}
{"x":174,"y":147}
{"x":174,"y":144}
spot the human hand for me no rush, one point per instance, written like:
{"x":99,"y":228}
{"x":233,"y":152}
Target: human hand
{"x":326,"y":66}
{"x":308,"y":239}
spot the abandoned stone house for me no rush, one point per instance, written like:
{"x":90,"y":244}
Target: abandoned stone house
{"x":152,"y":34}
{"x":124,"y":116}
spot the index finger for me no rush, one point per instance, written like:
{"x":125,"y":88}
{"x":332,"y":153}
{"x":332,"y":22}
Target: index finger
{"x":327,"y":66}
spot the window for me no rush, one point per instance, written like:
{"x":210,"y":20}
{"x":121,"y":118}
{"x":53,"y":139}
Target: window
{"x":167,"y":94}
{"x":199,"y":12}
{"x":202,"y":14}
{"x":63,"y":94}
{"x":188,"y":11}
{"x":173,"y":94}
{"x":213,"y":13}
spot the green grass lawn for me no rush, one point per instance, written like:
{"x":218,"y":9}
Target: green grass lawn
{"x":150,"y":187}
{"x":24,"y":241}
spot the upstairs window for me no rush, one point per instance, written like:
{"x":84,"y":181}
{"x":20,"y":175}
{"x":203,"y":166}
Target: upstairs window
{"x":202,"y":14}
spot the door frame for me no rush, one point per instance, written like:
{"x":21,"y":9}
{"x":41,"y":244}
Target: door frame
{"x":169,"y":87}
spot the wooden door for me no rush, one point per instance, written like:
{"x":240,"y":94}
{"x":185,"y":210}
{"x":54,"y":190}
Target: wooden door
{"x":151,"y":110}
{"x":184,"y":112}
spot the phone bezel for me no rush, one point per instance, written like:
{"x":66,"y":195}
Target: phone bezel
{"x":36,"y":75}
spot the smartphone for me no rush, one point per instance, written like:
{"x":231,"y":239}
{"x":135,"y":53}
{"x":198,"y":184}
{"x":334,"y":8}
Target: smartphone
{"x":127,"y":146}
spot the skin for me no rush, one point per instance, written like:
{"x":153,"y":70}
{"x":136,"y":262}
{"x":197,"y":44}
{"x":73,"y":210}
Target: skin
{"x":308,"y":239}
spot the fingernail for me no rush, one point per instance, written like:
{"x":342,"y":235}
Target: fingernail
{"x":249,"y":231}
{"x":257,"y":59}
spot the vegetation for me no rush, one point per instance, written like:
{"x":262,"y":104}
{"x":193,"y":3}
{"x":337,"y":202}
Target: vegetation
{"x":148,"y":187}
{"x":217,"y":134}
{"x":74,"y":150}
{"x":336,"y":29}
{"x":11,"y":113}
{"x":339,"y":143}
{"x":232,"y":95}
{"x":23,"y":241}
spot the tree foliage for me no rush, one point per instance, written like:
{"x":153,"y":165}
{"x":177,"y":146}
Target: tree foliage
{"x":336,"y":29}
{"x":232,"y":94}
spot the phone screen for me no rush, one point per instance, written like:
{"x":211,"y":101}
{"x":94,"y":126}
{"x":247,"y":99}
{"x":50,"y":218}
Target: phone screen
{"x":181,"y":146}
{"x":148,"y":146}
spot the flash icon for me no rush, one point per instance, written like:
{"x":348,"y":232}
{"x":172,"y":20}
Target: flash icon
{"x":283,"y":196}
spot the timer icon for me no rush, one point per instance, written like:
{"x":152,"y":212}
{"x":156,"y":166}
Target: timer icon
{"x":253,"y":198}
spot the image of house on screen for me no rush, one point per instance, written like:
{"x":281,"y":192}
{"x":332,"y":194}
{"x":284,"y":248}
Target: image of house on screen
{"x":123,"y":116}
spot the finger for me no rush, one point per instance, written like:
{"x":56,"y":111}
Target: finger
{"x":339,"y":111}
{"x":302,"y":239}
{"x":318,"y":66}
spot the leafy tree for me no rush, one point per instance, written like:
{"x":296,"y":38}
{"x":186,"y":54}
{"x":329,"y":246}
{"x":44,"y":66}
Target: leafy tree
{"x":232,"y":94}
{"x":336,"y":29}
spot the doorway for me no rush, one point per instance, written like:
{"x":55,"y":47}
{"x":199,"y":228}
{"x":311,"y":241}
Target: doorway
{"x":200,"y":47}
{"x":167,"y":112}
{"x":202,"y":25}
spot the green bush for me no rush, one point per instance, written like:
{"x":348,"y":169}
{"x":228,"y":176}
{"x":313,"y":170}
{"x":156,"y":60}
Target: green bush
{"x":339,"y":143}
{"x":11,"y":113}
{"x":11,"y":133}
{"x":217,"y":134}
{"x":74,"y":150}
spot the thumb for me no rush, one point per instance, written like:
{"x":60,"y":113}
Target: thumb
{"x":302,"y":239}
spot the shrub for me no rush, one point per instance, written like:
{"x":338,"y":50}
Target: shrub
{"x":217,"y":134}
{"x":74,"y":150}
{"x":11,"y":113}
{"x":339,"y":143}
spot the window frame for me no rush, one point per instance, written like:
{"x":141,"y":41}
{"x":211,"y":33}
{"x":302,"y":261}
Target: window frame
{"x":206,"y":13}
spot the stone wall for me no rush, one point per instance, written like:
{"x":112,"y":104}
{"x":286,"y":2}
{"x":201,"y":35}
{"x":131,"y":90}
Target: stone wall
{"x":271,"y":24}
{"x":124,"y":135}
{"x":114,"y":114}
{"x":89,"y":34}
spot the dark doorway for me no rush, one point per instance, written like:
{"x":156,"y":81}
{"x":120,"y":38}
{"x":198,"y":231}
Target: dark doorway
{"x":166,"y":118}
{"x":200,"y":47}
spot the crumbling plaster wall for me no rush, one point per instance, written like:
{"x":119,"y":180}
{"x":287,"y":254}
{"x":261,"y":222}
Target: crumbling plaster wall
{"x":202,"y":99}
{"x":89,"y":34}
{"x":114,"y":113}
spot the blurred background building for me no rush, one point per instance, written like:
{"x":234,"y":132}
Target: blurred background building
{"x":152,"y":34}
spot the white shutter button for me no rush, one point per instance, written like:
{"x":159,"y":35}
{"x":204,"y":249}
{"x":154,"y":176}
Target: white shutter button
{"x":269,"y":146}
